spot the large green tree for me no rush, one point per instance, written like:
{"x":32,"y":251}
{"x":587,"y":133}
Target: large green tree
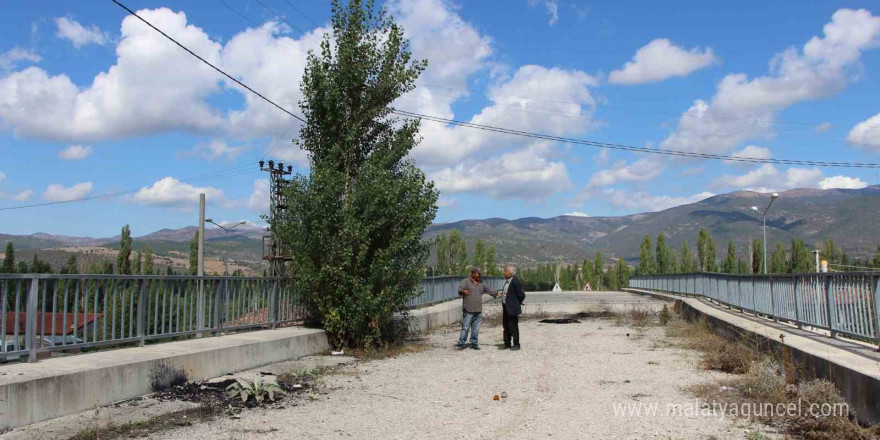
{"x":646,"y":257}
{"x":443,"y":256}
{"x":687,"y":260}
{"x":9,"y":258}
{"x":194,"y":254}
{"x":123,"y":258}
{"x":729,"y":265}
{"x":779,"y":260}
{"x":665,"y":263}
{"x":492,"y":268}
{"x":706,"y":253}
{"x":354,"y":223}
{"x":479,"y":258}
{"x":757,"y":256}
{"x":801,"y":260}
{"x":148,"y":268}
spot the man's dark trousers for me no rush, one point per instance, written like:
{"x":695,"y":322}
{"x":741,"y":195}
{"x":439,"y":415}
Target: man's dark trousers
{"x":510,"y":323}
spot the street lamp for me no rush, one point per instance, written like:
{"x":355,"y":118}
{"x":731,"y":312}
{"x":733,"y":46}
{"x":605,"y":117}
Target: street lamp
{"x":226,"y":230}
{"x":773,"y":197}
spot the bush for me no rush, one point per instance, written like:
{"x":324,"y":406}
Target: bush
{"x":834,"y":427}
{"x":258,"y":389}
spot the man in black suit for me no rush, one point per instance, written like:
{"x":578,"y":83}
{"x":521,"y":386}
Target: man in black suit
{"x":512,"y":297}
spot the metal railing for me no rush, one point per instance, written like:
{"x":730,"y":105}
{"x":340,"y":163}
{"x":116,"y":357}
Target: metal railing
{"x":46,"y":313}
{"x":49,"y":313}
{"x":445,"y":288}
{"x":841,"y":303}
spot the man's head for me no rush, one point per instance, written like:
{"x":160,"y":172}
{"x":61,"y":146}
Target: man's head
{"x":509,"y":271}
{"x":476,"y":273}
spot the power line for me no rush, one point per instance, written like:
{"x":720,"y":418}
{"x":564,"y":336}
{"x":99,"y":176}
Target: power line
{"x":277,"y":15}
{"x":539,"y":135}
{"x":202,"y":178}
{"x":631,"y":148}
{"x":206,"y":61}
{"x":302,"y":13}
{"x":239,"y":13}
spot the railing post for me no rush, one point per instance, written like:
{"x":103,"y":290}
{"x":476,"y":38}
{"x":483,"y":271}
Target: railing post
{"x":830,"y":307}
{"x":200,"y":306}
{"x":272,"y":311}
{"x":31,"y":320}
{"x":219,"y":298}
{"x":798,"y":314}
{"x":772,"y":302}
{"x":142,"y":313}
{"x":877,"y":309}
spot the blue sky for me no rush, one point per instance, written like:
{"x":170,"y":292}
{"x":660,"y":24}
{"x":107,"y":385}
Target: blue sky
{"x":92,"y":102}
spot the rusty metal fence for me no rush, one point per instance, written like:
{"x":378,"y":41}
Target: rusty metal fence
{"x":841,"y":303}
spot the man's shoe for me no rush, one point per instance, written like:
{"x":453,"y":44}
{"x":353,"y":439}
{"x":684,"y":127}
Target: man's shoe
{"x":504,"y":347}
{"x":475,"y":347}
{"x":515,"y":347}
{"x":460,"y":347}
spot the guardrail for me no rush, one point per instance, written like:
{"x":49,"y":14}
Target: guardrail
{"x":42,"y":313}
{"x":842,"y":303}
{"x":445,"y":288}
{"x":46,"y":313}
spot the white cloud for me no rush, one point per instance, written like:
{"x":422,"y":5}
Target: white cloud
{"x":78,"y":34}
{"x":640,"y":170}
{"x":576,"y":214}
{"x":523,"y":174}
{"x":213,"y":150}
{"x":2,"y":176}
{"x":10,"y":59}
{"x":552,"y":8}
{"x":558,"y":92}
{"x":22,"y":195}
{"x":767,"y":178}
{"x":638,"y":201}
{"x":749,"y":152}
{"x":259,"y":200}
{"x":75,"y":152}
{"x":59,"y":193}
{"x":745,"y":109}
{"x":447,"y":202}
{"x":822,"y":128}
{"x":842,"y":182}
{"x":866,"y":134}
{"x":153,"y":87}
{"x":170,"y":192}
{"x":660,"y":60}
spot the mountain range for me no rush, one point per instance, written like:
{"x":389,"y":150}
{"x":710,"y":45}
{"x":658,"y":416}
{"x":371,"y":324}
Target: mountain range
{"x":849,"y":216}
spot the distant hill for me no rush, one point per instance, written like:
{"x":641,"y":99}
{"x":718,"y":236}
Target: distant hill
{"x":849,"y":216}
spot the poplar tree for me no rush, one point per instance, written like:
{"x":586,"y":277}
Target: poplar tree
{"x":354,"y":223}
{"x":646,"y":257}
{"x":123,"y":258}
{"x":9,"y":258}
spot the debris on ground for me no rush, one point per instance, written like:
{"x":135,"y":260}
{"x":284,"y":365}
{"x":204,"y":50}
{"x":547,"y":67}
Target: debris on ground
{"x":559,"y":321}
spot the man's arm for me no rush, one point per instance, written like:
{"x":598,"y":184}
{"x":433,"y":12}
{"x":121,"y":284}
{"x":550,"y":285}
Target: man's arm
{"x":519,"y":291}
{"x":462,"y":288}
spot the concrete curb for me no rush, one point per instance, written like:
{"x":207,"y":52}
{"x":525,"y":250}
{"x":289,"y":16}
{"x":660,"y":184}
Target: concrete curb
{"x":67,"y":385}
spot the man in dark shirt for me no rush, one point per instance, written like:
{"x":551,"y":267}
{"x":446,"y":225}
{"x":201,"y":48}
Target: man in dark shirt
{"x":512,"y":297}
{"x":471,"y":291}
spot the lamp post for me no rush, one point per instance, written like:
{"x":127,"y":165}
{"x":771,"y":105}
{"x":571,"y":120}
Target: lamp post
{"x":226,"y":230}
{"x":773,"y":197}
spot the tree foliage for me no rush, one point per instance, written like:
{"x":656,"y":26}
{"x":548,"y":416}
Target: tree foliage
{"x":9,"y":258}
{"x":665,"y":263}
{"x":646,"y":257}
{"x":194,"y":254}
{"x":123,"y":258}
{"x":354,"y":224}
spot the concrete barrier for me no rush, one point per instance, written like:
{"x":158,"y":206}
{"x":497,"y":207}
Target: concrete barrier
{"x":56,"y":387}
{"x":851,"y":366}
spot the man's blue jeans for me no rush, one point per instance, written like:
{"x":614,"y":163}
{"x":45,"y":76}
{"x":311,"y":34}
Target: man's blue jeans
{"x":470,"y":321}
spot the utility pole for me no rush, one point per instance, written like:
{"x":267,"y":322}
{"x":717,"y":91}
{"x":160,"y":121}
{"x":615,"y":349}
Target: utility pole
{"x":773,"y":197}
{"x":273,"y":250}
{"x":200,"y":321}
{"x":226,"y":230}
